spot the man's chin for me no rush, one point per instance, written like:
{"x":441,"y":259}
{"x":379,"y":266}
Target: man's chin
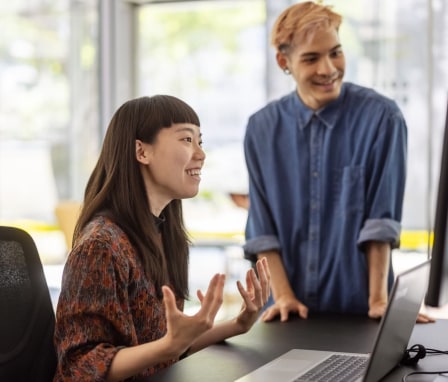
{"x":330,"y":95}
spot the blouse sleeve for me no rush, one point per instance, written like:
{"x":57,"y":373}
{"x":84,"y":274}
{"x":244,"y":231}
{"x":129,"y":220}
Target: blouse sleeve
{"x":93,"y":319}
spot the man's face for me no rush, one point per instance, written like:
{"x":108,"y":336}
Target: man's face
{"x":317,"y":64}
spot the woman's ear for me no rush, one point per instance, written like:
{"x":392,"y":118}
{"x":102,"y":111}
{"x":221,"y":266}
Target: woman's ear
{"x":142,"y":152}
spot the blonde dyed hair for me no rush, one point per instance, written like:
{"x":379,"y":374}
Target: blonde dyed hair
{"x":300,"y":20}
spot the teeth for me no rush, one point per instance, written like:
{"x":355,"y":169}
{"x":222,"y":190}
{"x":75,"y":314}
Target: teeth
{"x":194,"y":172}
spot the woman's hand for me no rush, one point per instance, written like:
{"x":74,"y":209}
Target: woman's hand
{"x":255,"y":295}
{"x":182,"y":329}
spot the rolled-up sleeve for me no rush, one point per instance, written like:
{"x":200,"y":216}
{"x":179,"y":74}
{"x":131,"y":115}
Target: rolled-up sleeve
{"x":385,"y":230}
{"x":260,"y":244}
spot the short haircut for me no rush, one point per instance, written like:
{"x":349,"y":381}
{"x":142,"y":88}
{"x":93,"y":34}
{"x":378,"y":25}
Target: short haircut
{"x":300,"y":20}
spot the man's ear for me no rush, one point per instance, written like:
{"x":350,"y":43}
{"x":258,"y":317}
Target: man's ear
{"x":282,"y":60}
{"x":142,"y":152}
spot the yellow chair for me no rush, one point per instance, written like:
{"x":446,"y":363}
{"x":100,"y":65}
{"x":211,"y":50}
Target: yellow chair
{"x":67,"y":213}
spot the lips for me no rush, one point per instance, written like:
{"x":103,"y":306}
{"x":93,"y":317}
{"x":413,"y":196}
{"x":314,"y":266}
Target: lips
{"x":327,"y":82}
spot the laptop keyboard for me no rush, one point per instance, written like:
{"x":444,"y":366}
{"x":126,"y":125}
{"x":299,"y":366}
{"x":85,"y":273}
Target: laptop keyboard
{"x":336,"y":368}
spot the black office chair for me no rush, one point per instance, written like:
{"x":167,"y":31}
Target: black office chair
{"x":27,"y":317}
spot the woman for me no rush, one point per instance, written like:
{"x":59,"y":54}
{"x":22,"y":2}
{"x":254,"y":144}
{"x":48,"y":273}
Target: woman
{"x":119,"y":314}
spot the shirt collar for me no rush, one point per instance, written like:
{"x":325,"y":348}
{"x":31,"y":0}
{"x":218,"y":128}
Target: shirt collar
{"x":328,"y":115}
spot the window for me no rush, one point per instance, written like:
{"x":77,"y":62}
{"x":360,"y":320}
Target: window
{"x":48,"y":111}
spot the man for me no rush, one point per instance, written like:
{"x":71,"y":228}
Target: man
{"x":327,"y":167}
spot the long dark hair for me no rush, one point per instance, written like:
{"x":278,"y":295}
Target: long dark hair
{"x":116,"y":189}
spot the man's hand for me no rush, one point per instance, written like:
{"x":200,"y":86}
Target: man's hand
{"x":284,"y":297}
{"x":377,"y":310}
{"x":282,"y":307}
{"x":423,"y":318}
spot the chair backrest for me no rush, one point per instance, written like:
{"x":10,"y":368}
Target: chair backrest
{"x":27,"y":317}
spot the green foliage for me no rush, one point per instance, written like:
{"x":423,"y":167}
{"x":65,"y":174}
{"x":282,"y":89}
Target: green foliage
{"x":186,"y":30}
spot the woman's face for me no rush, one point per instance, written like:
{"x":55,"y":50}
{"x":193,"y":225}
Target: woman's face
{"x":171,"y":166}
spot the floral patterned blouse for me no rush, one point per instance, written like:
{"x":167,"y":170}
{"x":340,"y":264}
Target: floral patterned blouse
{"x":106,"y":303}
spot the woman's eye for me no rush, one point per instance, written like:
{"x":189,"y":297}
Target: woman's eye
{"x":188,"y":139}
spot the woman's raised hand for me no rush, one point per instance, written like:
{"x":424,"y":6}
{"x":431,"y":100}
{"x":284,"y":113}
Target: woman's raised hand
{"x":183,"y":329}
{"x":255,"y":295}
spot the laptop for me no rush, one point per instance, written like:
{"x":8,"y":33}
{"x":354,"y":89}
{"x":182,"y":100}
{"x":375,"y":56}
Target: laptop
{"x":391,"y":341}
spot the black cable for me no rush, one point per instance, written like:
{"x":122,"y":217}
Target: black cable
{"x":440,"y":372}
{"x":428,"y":351}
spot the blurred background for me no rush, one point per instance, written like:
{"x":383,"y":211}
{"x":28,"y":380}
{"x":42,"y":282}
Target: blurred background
{"x":66,"y":65}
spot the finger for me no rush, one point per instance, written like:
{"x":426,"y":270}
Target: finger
{"x":245,"y":296}
{"x":252,"y":304}
{"x":269,"y":314}
{"x":373,"y":313}
{"x":423,"y":318}
{"x":264,"y":279}
{"x":255,"y":289}
{"x":284,"y":314}
{"x":213,"y":298}
{"x":169,"y":300}
{"x":262,"y":267}
{"x":249,"y":281}
{"x":212,"y":289}
{"x":303,"y":311}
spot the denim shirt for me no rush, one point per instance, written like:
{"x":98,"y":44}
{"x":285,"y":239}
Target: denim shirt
{"x":323,"y":183}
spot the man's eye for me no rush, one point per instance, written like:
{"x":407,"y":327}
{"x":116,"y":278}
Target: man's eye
{"x":310,"y":60}
{"x":188,"y":139}
{"x":337,"y":53}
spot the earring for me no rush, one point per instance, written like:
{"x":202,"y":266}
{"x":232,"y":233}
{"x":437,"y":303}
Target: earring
{"x":286,"y":71}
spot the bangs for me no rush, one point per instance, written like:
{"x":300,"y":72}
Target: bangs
{"x":173,"y":110}
{"x":151,"y":114}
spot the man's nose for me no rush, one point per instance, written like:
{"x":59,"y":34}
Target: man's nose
{"x":326,"y":66}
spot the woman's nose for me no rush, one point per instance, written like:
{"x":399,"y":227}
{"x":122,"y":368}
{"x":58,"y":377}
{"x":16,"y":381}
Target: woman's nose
{"x":200,"y":153}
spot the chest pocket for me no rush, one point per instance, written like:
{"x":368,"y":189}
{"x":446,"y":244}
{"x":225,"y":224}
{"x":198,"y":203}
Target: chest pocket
{"x":349,"y":190}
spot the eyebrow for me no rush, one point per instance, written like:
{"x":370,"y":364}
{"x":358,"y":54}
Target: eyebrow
{"x":306,"y":54}
{"x":189,"y":129}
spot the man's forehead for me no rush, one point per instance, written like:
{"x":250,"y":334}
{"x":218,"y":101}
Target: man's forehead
{"x":316,"y":39}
